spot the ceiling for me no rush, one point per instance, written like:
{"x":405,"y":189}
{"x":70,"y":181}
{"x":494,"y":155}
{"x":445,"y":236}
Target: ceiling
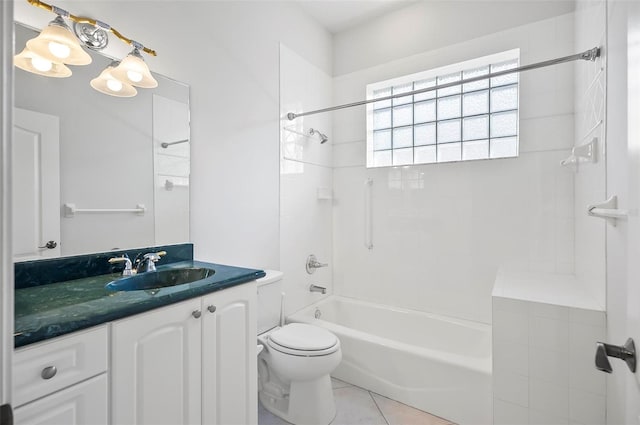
{"x":341,"y":15}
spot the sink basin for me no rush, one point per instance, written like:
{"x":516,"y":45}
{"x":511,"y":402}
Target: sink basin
{"x":160,"y":279}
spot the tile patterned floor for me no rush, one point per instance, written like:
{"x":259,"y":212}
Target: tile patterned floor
{"x":355,"y":405}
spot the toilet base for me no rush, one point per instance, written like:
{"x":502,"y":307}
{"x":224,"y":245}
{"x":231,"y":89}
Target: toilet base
{"x":306,"y":403}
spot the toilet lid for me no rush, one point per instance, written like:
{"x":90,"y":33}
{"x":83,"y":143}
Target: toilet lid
{"x":299,"y":336}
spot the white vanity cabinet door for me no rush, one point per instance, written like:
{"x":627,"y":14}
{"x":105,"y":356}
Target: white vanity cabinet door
{"x":156,"y":366}
{"x":229,"y":363}
{"x":81,"y":404}
{"x":43,"y":368}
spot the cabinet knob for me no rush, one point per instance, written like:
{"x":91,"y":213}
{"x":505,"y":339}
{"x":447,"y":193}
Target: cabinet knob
{"x":211,"y":308}
{"x":196,"y":314}
{"x":49,"y":372}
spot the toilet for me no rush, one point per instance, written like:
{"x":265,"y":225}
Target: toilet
{"x":295,"y":363}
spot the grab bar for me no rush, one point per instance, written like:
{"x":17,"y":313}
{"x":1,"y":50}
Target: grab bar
{"x":70,"y":210}
{"x":368,"y":214}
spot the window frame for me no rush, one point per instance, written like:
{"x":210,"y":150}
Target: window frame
{"x":434,"y":74}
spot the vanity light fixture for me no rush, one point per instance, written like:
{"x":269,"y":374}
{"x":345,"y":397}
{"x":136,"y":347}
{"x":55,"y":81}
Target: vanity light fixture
{"x":135,"y":71}
{"x":31,"y":62}
{"x":58,"y":44}
{"x":106,"y":83}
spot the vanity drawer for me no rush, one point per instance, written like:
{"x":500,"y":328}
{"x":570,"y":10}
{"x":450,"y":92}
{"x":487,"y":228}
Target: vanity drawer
{"x":46,"y":367}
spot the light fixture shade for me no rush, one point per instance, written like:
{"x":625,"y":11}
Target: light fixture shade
{"x":106,"y":83}
{"x":134,"y":71}
{"x":30,"y":62}
{"x":58,"y":44}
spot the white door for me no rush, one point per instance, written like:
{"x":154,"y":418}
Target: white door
{"x":36,"y":185}
{"x":156,"y":366}
{"x":623,"y":180}
{"x":229,"y":360}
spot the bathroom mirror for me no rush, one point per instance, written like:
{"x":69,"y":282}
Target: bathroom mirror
{"x":94,"y":172}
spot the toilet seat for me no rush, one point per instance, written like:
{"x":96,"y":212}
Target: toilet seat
{"x":300,"y":339}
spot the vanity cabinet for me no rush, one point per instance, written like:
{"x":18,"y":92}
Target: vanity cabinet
{"x":64,"y":380}
{"x":229,"y":363}
{"x":189,"y":363}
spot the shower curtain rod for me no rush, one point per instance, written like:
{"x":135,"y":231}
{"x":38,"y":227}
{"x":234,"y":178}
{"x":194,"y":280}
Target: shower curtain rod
{"x":588,"y":55}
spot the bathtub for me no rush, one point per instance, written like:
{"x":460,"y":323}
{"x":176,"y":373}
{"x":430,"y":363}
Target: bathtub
{"x":434,"y":363}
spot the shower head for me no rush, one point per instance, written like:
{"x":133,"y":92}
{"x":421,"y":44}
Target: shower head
{"x":323,"y":137}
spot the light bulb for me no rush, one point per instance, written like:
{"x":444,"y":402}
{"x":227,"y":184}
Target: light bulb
{"x":114,"y":85}
{"x":41,"y":64}
{"x":59,"y":50}
{"x":134,"y":76}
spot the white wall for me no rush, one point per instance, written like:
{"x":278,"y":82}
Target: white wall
{"x":228,"y":52}
{"x":430,"y":25}
{"x":442,"y":231}
{"x":306,"y":178}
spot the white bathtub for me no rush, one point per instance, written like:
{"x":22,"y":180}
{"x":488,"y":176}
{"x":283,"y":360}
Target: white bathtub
{"x":434,"y":363}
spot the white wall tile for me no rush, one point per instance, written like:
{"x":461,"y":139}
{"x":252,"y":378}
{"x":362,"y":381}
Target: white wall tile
{"x":549,"y":334}
{"x":587,"y":408}
{"x":550,"y":398}
{"x":582,"y":345}
{"x":349,"y":154}
{"x":587,"y":317}
{"x":550,"y":311}
{"x":511,"y":388}
{"x":505,"y":413}
{"x":510,"y":357}
{"x":510,"y":327}
{"x":549,"y":366}
{"x":542,"y":417}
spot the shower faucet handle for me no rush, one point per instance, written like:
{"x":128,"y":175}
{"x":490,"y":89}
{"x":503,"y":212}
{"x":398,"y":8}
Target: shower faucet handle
{"x":626,"y":352}
{"x":313,"y":264}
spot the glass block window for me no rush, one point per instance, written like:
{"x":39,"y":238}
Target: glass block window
{"x":465,"y":122}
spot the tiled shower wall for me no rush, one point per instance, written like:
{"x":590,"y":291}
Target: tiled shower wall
{"x":306,"y":180}
{"x":543,"y":364}
{"x":441,"y":231}
{"x":590,"y":179}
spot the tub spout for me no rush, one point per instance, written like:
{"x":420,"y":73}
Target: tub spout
{"x":316,"y":288}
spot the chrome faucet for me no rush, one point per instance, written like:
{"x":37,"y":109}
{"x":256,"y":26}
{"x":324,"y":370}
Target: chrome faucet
{"x":316,"y":288}
{"x":313,"y":264}
{"x":148,"y":261}
{"x":128,"y":270}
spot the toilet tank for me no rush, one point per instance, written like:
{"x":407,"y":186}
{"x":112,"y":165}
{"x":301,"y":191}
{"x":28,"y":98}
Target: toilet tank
{"x":269,"y":300}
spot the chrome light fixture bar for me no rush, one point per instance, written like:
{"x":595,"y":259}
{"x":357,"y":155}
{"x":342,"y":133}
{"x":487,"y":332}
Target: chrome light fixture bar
{"x":588,"y":55}
{"x":93,"y":22}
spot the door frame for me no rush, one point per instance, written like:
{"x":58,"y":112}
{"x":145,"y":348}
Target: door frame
{"x":6,"y":260}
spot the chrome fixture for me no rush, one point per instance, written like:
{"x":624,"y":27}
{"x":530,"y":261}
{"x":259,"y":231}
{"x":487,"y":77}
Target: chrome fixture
{"x":166,"y":145}
{"x":588,"y":55}
{"x":92,"y":36}
{"x":316,"y":288}
{"x":626,"y":352}
{"x":323,"y":137}
{"x":317,"y":314}
{"x":313,"y":264}
{"x":57,"y":46}
{"x":128,"y":270}
{"x":148,"y":261}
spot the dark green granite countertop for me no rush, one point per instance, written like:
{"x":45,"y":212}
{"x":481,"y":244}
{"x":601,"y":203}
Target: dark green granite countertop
{"x":47,"y":311}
